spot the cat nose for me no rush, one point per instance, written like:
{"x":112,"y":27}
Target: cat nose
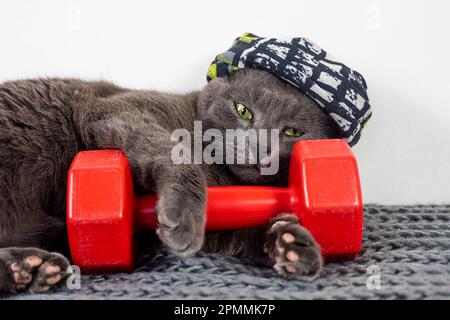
{"x":265,"y":162}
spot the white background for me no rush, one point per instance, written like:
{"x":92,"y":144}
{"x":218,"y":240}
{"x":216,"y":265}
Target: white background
{"x":401,"y":47}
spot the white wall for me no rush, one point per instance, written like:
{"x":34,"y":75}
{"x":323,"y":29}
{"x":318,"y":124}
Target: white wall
{"x":401,"y":47}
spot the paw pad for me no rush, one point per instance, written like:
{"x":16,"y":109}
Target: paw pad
{"x":33,"y":261}
{"x":15,"y":267}
{"x":288,"y":238}
{"x":54,"y":279}
{"x":292,"y":256}
{"x":22,"y":277}
{"x":290,"y":269}
{"x":277,"y":225}
{"x":51,"y":268}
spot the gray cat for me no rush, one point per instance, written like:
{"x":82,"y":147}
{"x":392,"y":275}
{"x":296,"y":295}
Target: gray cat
{"x":45,"y":122}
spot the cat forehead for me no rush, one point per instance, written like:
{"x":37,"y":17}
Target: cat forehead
{"x":281,"y":100}
{"x":261,"y":93}
{"x":266,"y":88}
{"x":292,"y":108}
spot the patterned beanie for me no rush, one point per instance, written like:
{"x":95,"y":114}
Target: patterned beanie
{"x":339,"y":90}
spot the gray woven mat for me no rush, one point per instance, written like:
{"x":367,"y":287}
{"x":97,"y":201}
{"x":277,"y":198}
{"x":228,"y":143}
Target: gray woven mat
{"x":410,"y":246}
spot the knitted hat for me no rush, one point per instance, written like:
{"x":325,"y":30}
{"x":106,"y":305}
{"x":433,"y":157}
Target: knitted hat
{"x":339,"y":90}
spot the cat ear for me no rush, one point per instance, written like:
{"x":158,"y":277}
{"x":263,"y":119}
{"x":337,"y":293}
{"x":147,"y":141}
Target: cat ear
{"x":216,"y":85}
{"x":212,"y":92}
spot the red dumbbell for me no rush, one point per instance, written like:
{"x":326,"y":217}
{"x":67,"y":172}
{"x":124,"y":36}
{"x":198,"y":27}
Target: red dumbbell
{"x":324,"y":191}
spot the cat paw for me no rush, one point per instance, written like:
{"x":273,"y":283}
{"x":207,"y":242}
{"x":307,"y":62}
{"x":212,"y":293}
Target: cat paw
{"x":34,"y":270}
{"x":181,"y":229}
{"x":292,"y":249}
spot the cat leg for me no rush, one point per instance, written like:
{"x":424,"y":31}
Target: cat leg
{"x":292,"y":249}
{"x":246,"y":243}
{"x":181,"y":208}
{"x":30,"y":270}
{"x":181,"y":188}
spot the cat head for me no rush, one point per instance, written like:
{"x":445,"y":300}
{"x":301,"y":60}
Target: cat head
{"x":256,"y":99}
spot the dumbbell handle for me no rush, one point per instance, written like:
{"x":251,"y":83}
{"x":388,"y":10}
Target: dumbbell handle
{"x":230,"y":207}
{"x":336,"y":229}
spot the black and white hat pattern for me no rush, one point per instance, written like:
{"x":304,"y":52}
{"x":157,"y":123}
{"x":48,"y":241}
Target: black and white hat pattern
{"x":339,"y":90}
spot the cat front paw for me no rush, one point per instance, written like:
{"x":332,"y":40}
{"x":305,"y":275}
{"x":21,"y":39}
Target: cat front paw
{"x":292,"y":249}
{"x":33,"y":270}
{"x":181,"y":225}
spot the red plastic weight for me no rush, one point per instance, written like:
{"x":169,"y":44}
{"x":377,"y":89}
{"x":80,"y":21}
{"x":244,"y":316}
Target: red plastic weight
{"x":324,"y":191}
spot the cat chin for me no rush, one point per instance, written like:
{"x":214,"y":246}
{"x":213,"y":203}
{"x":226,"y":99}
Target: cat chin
{"x":250,"y":174}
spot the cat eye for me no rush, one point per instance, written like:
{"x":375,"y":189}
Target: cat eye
{"x":292,"y":132}
{"x":243,"y":111}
